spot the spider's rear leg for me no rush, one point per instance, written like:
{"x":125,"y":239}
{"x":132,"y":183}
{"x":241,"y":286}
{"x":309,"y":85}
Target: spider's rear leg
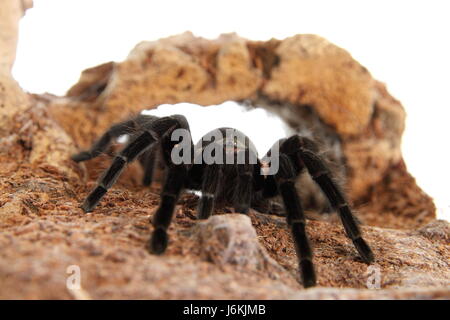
{"x":322,"y":176}
{"x":128,"y":154}
{"x":102,"y":144}
{"x":285,"y":180}
{"x":211,"y":180}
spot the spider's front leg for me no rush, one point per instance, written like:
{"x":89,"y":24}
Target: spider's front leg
{"x":102,"y":144}
{"x":303,"y":152}
{"x":172,"y":189}
{"x":152,"y":129}
{"x":128,"y":154}
{"x":175,"y":182}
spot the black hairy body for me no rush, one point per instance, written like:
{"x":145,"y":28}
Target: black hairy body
{"x":237,"y":184}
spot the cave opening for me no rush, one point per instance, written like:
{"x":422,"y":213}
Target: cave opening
{"x":263,"y":127}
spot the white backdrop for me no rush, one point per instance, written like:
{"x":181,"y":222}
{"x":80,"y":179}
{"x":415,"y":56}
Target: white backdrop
{"x":402,"y":43}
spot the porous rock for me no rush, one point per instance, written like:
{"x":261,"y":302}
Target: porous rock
{"x":44,"y":235}
{"x":286,"y":77}
{"x":231,"y":239}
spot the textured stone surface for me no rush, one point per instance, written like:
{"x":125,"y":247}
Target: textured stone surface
{"x":10,"y":13}
{"x":38,"y":245}
{"x":43,"y":231}
{"x":303,"y":72}
{"x":231,"y":239}
{"x":12,"y":98}
{"x":326,"y":77}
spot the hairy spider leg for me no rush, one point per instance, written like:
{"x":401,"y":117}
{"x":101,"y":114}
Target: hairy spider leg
{"x":211,"y":180}
{"x":115,"y":131}
{"x":172,"y":189}
{"x":152,"y":158}
{"x":295,"y":218}
{"x":127,"y":155}
{"x":151,"y":129}
{"x":149,"y":160}
{"x":175,"y":182}
{"x":304,"y":149}
{"x":243,"y":192}
{"x":133,"y":126}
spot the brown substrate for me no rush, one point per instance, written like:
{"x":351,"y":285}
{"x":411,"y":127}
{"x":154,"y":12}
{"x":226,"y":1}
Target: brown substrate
{"x":43,"y":231}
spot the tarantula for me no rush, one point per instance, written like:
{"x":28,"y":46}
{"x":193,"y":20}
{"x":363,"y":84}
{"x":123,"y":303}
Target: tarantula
{"x":236,"y":179}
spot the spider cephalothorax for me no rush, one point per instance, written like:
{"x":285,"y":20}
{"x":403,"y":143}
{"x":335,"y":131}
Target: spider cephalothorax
{"x":224,"y":167}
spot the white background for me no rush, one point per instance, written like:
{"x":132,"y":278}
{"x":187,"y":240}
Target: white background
{"x":403,"y":43}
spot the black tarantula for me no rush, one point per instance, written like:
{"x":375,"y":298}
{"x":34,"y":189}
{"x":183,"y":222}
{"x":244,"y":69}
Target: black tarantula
{"x":236,"y":182}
